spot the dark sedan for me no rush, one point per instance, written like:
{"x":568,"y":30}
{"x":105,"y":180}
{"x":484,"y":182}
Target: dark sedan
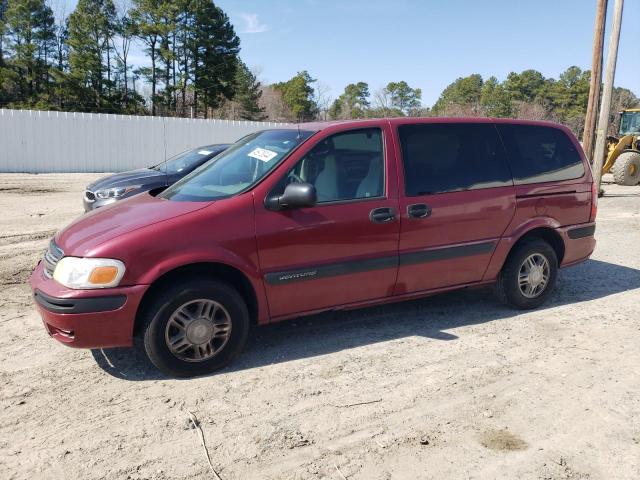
{"x":123,"y":185}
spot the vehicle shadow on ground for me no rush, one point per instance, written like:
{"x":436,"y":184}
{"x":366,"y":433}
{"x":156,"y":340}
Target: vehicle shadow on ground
{"x":429,"y":317}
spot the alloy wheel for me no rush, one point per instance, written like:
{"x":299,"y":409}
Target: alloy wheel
{"x":198,"y":330}
{"x":533,"y":275}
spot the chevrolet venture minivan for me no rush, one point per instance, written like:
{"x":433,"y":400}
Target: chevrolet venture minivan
{"x":317,"y":217}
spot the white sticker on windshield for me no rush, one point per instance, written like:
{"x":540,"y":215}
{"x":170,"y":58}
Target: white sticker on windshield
{"x":262,"y":154}
{"x":204,"y":152}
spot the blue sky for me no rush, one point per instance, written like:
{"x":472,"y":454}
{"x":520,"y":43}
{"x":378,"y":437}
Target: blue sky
{"x":428,"y":43}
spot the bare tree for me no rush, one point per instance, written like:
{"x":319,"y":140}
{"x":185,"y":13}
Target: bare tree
{"x":531,"y":111}
{"x":456,"y":110}
{"x":382,"y":101}
{"x":322,"y":97}
{"x":125,"y":35}
{"x":274,"y":106}
{"x":622,"y":98}
{"x":59,"y":9}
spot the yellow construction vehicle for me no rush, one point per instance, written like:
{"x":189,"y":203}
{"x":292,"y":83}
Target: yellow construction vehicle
{"x":623,"y":151}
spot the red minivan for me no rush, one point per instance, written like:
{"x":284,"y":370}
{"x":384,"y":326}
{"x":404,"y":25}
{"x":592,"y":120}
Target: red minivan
{"x":316,"y":217}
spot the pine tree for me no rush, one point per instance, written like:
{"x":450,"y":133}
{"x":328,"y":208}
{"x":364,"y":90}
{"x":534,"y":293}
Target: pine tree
{"x":147,"y":15}
{"x":61,"y":54}
{"x":183,"y":47}
{"x":27,"y":34}
{"x":125,"y":30}
{"x":168,"y":12}
{"x":3,"y":10}
{"x":91,"y":28}
{"x":214,"y":51}
{"x":353,"y":103}
{"x":297,"y":94}
{"x":494,"y":99}
{"x":248,"y":93}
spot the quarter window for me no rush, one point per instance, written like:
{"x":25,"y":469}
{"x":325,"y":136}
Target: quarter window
{"x":345,"y":166}
{"x":441,"y":157}
{"x":540,"y":154}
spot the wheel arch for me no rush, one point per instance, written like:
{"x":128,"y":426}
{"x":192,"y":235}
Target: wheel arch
{"x":223,"y":272}
{"x":546,"y":233}
{"x":543,"y":228}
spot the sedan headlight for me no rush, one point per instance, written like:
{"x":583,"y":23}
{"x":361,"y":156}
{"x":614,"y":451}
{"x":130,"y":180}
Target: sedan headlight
{"x":115,"y":192}
{"x":85,"y":273}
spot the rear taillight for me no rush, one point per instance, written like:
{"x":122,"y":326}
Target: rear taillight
{"x":594,"y":202}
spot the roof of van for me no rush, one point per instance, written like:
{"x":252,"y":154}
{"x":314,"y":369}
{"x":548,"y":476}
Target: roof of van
{"x":316,"y":126}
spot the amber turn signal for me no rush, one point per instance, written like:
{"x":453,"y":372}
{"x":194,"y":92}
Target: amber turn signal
{"x":103,"y":275}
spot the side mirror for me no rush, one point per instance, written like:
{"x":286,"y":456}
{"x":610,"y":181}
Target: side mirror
{"x":296,"y":195}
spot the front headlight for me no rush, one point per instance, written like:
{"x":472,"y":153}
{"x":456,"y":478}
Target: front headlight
{"x":85,"y":273}
{"x":115,"y":192}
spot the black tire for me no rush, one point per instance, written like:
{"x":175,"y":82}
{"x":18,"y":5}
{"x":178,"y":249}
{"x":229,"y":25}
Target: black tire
{"x":168,"y":301}
{"x":508,"y":288}
{"x":626,"y":170}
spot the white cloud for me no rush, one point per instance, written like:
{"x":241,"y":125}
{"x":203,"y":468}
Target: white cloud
{"x":252,"y":24}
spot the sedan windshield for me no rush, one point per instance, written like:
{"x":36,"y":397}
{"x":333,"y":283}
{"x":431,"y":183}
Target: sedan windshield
{"x":186,"y":161}
{"x":238,"y":168}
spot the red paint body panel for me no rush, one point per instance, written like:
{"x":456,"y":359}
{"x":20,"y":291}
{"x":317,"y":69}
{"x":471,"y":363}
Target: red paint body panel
{"x":313,"y":237}
{"x":124,"y":217}
{"x":326,"y":234}
{"x":153,"y":236}
{"x":457,"y":218}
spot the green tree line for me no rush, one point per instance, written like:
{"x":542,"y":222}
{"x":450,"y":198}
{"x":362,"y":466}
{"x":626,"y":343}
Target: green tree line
{"x":82,"y":62}
{"x":527,"y":94}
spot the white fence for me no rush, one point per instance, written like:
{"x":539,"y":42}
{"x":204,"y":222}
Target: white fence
{"x":39,"y":142}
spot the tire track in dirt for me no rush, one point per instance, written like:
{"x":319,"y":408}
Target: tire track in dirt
{"x":25,"y":237}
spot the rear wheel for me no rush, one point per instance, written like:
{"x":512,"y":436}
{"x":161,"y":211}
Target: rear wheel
{"x":195,"y":328}
{"x":626,"y":170}
{"x":528,"y":275}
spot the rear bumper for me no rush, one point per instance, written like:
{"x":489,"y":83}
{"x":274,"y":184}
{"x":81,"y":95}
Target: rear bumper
{"x":86,"y":318}
{"x":579,"y":243}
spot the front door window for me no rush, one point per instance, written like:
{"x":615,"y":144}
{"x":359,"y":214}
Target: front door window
{"x":346,"y":166}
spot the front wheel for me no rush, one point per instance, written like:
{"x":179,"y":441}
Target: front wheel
{"x":528,"y":275}
{"x":195,"y":328}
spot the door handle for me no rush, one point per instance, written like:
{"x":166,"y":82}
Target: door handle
{"x":418,"y":210}
{"x":382,"y":215}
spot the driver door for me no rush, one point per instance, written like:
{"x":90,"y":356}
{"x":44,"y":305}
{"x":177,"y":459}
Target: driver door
{"x":337,"y":251}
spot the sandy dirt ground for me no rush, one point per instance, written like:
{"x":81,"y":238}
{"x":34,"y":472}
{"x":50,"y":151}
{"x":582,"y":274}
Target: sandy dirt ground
{"x":453,"y":386}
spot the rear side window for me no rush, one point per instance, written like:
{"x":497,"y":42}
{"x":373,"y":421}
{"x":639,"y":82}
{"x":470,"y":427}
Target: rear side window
{"x":442,"y":157}
{"x":540,"y":154}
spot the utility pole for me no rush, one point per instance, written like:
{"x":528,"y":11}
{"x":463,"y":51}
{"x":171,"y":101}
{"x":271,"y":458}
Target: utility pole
{"x":596,"y":78}
{"x":607,"y":91}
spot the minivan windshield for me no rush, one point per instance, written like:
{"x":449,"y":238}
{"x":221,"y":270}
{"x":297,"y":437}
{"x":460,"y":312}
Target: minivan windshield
{"x":237,"y":168}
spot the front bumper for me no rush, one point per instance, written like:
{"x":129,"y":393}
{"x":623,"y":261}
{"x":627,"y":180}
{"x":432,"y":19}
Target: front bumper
{"x":97,"y":203}
{"x":86,"y":318}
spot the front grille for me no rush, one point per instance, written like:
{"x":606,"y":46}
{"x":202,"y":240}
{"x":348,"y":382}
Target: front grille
{"x":90,"y":196}
{"x":51,"y":258}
